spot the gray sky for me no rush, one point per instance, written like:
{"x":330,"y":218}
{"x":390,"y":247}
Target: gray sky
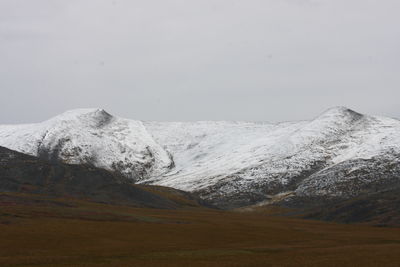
{"x":262,"y":60}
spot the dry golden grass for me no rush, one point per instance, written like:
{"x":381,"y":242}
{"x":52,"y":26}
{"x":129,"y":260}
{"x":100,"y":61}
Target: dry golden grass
{"x":77,"y":233}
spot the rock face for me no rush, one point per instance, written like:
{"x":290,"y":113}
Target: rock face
{"x":340,"y":154}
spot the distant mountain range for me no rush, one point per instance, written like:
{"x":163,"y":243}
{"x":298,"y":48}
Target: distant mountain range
{"x":338,"y":156}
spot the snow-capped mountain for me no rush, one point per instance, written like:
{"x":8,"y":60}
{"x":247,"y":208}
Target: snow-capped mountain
{"x":243,"y":162}
{"x":91,"y":136}
{"x":340,"y":154}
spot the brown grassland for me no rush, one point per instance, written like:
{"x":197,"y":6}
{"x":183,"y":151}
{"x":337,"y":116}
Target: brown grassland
{"x":39,"y":231}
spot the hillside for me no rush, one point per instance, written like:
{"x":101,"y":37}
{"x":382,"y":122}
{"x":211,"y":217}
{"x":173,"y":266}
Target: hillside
{"x":91,"y":136}
{"x":338,"y":155}
{"x":20,"y":173}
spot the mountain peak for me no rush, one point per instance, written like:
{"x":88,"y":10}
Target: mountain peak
{"x":98,"y":116}
{"x":340,"y":112}
{"x":339,"y":109}
{"x":85,"y":112}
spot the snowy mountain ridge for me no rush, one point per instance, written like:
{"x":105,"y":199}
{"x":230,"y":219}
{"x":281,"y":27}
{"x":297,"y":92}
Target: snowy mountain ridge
{"x":90,"y":136}
{"x":237,"y":162}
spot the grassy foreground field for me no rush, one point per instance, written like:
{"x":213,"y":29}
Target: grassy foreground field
{"x":39,"y":231}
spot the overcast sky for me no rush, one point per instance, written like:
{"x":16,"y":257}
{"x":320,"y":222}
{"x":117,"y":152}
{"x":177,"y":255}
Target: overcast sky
{"x":259,"y":60}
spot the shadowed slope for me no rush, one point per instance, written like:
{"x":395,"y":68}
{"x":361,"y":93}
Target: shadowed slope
{"x":24,"y":173}
{"x":380,"y":209}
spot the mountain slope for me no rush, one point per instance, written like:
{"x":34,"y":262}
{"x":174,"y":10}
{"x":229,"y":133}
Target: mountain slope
{"x":236,"y":164}
{"x":20,"y":173}
{"x":380,"y":209}
{"x":94,"y":137}
{"x":340,"y":154}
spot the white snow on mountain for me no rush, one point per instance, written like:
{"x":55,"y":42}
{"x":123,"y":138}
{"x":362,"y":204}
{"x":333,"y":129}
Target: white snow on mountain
{"x":214,"y":158}
{"x":207,"y":152}
{"x":90,"y":136}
